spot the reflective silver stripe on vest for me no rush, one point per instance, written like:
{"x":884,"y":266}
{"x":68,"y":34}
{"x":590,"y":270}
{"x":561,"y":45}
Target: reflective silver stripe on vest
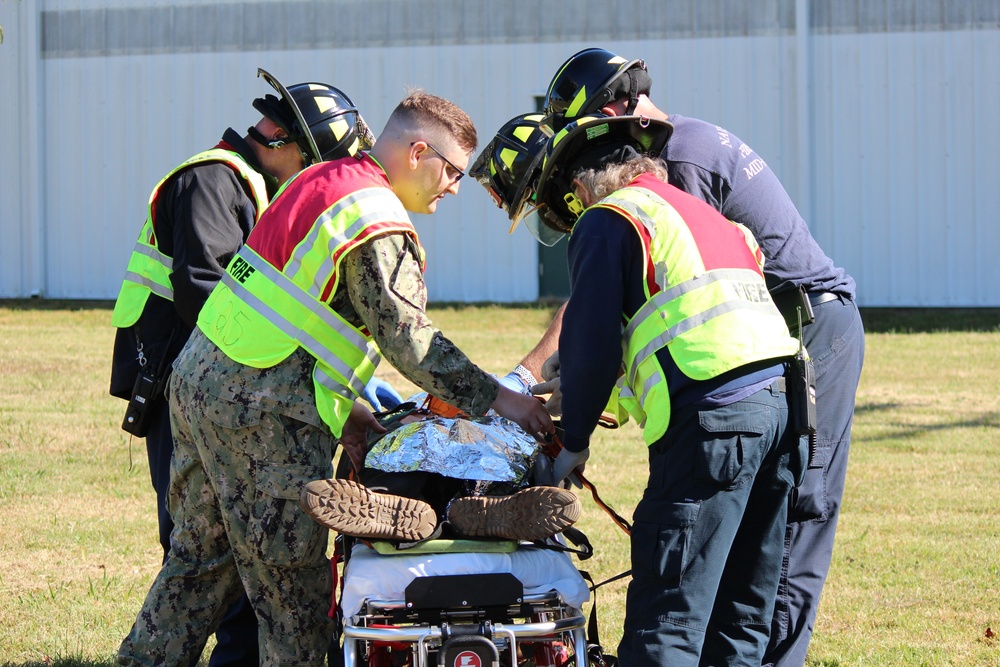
{"x":690,"y":323}
{"x":331,"y":384}
{"x":296,"y":333}
{"x":153,"y":253}
{"x":653,"y":380}
{"x":153,"y":286}
{"x":635,"y":210}
{"x":394,"y":213}
{"x":662,"y":298}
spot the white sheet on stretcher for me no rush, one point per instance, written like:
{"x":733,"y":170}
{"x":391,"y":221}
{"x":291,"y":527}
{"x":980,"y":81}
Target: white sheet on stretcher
{"x":372,"y":576}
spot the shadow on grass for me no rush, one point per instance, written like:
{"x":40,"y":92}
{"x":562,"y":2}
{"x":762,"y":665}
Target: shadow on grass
{"x":930,"y":320}
{"x":106,"y":304}
{"x":876,"y":320}
{"x":62,"y":662}
{"x":76,"y":662}
{"x":909,"y":431}
{"x":866,"y":408}
{"x":56,"y":304}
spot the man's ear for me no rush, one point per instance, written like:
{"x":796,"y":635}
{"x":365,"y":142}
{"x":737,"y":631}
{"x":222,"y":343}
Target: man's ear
{"x":413,"y":157}
{"x":616,"y":108}
{"x":584,"y":194}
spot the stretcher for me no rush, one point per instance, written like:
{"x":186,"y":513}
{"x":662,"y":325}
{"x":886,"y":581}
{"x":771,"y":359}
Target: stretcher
{"x":463,"y":604}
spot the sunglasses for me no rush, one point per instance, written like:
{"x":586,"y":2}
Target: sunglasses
{"x":456,"y":174}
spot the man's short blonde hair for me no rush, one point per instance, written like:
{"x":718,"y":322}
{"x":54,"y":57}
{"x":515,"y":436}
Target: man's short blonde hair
{"x":426,"y":112}
{"x":604,"y":181}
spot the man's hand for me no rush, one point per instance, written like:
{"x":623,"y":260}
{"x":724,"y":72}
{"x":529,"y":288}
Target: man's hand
{"x":551,"y":367}
{"x":553,"y":405}
{"x":552,"y":385}
{"x":380,"y":395}
{"x":354,"y":438}
{"x":526,"y":411}
{"x":567,"y":464}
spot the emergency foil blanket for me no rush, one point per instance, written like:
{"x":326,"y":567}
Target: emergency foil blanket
{"x":489,"y":448}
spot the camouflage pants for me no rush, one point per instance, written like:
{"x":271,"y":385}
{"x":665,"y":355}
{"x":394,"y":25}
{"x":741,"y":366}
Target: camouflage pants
{"x":235,"y":480}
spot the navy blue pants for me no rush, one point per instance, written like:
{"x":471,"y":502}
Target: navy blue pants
{"x":236,"y":636}
{"x":836,"y":343}
{"x":708,"y":535}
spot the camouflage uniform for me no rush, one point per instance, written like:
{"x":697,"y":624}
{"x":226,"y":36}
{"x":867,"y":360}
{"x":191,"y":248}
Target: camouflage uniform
{"x":247,"y":440}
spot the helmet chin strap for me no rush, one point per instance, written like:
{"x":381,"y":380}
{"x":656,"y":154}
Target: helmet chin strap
{"x":259,"y":137}
{"x":633,"y":92}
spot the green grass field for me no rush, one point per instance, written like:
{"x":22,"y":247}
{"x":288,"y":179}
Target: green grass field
{"x":916,"y":571}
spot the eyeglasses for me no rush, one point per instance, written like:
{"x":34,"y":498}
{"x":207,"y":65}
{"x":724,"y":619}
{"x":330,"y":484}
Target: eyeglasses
{"x":457,"y":174}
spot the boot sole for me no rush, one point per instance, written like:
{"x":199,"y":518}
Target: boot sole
{"x":535,"y":513}
{"x":349,"y":508}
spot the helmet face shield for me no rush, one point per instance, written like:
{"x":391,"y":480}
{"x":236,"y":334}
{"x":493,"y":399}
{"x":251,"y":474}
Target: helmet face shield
{"x":485,"y":172}
{"x":543,"y":232}
{"x":540,"y":220}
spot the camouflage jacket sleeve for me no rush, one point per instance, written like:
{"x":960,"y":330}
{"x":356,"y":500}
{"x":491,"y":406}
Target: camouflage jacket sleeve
{"x":388,"y":293}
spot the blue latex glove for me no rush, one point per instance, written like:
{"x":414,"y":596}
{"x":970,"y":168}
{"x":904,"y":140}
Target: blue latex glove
{"x":514,"y":382}
{"x":380,"y":395}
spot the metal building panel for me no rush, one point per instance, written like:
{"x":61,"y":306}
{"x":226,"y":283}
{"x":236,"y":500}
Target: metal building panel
{"x":907,"y":211}
{"x":982,"y":179}
{"x":180,"y":104}
{"x":900,"y":186}
{"x":469,"y":259}
{"x":21,"y":206}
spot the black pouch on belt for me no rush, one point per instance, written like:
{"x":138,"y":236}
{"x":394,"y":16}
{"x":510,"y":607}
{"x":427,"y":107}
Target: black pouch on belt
{"x":792,"y":304}
{"x":803,"y":401}
{"x":147,"y":391}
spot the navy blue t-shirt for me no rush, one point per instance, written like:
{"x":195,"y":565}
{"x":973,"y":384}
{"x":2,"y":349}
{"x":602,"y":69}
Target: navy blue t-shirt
{"x":715,"y":166}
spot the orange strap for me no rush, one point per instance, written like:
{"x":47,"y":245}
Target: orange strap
{"x":553,"y":445}
{"x":439,"y":408}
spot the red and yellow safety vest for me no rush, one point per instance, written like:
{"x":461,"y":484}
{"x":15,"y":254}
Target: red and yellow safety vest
{"x":274,"y":297}
{"x":706,"y":299}
{"x":149,"y":268}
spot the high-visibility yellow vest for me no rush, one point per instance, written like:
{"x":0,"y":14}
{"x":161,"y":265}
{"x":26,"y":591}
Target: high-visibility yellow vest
{"x":706,"y":299}
{"x":274,"y":296}
{"x":149,"y":269}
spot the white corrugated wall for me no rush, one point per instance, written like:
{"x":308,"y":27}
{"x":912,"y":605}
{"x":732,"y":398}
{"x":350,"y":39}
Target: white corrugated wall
{"x":905,"y":170}
{"x":885,"y":136}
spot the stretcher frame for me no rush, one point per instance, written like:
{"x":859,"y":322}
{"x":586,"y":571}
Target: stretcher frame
{"x":536,"y":618}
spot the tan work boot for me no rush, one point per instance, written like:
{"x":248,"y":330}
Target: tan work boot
{"x":349,"y":508}
{"x":534,"y":513}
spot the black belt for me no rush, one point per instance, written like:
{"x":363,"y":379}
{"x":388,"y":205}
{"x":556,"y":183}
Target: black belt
{"x":816,"y":298}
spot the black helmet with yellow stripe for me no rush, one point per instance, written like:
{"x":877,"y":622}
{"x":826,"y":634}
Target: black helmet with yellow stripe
{"x":321,"y":119}
{"x":508,"y":163}
{"x":589,"y":142}
{"x":591,"y":79}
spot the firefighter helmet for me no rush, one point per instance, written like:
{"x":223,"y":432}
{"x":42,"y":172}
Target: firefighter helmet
{"x":321,"y":119}
{"x":508,"y":162}
{"x":589,"y":141}
{"x":591,"y":79}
